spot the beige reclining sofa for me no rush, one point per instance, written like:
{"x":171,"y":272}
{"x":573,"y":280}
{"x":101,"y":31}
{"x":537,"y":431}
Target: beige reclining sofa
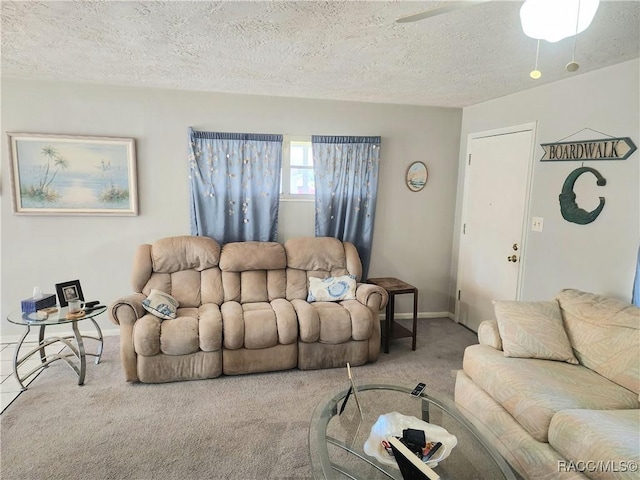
{"x":243,"y":308}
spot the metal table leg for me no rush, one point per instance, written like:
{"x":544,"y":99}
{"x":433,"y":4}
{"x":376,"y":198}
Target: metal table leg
{"x":100,"y":339}
{"x":45,"y":359}
{"x":43,"y":354}
{"x":81,"y":353}
{"x":15,"y":357}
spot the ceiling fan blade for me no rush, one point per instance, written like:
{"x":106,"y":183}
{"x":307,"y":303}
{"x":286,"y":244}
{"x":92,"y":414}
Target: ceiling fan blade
{"x":449,"y":7}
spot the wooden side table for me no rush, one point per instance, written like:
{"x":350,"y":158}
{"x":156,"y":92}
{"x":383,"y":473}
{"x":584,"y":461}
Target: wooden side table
{"x":394,"y":287}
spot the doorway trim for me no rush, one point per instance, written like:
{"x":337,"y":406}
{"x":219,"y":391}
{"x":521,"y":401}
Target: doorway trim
{"x":533,"y":127}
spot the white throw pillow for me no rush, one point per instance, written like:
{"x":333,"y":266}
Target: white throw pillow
{"x":161,"y":304}
{"x":332,"y":289}
{"x":533,"y":330}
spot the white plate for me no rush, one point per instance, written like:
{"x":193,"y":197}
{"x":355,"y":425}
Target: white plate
{"x":392,"y":424}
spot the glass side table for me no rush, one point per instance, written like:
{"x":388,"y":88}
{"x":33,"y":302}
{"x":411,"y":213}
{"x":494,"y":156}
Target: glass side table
{"x":75,"y":355}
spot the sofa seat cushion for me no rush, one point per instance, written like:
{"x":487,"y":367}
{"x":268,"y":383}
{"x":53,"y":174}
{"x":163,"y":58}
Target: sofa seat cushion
{"x":608,"y":436}
{"x":533,"y":390}
{"x":193,"y":330}
{"x":258,"y":325}
{"x":333,"y":323}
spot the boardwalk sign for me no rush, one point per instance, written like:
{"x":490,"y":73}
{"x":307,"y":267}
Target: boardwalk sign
{"x":603,"y":149}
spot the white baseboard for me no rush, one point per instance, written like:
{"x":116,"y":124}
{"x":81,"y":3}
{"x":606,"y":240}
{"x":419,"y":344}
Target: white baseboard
{"x":402,"y":316}
{"x":33,"y":336}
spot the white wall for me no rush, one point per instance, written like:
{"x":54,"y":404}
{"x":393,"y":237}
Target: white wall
{"x":599,"y":257}
{"x":413,"y":231}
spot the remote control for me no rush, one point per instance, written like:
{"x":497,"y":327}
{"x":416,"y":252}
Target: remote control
{"x":432,"y":452}
{"x":418,"y":390}
{"x":97,"y":307}
{"x":93,"y":303}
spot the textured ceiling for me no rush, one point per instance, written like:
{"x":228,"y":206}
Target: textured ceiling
{"x":341,"y":50}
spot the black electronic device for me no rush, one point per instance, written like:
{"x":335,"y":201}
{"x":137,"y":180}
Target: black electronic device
{"x":418,"y":390}
{"x":91,"y":309}
{"x":432,"y":451}
{"x":411,"y":467}
{"x":411,"y":436}
{"x":92,"y":303}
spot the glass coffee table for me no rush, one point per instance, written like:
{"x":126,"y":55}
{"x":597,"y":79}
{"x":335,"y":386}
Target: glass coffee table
{"x":74,"y":355}
{"x":336,"y":442}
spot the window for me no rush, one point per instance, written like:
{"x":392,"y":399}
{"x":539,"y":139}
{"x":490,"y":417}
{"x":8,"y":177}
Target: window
{"x":297,"y":182}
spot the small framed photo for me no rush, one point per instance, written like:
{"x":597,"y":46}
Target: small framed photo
{"x":416,"y":176}
{"x":354,"y":390}
{"x":69,"y":291}
{"x":73,"y":175}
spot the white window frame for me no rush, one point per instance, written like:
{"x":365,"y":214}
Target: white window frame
{"x":285,"y":177}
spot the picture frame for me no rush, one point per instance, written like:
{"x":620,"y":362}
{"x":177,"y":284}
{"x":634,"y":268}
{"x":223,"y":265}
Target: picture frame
{"x":69,"y":291}
{"x":354,"y":391}
{"x":73,"y":175}
{"x":417,"y":175}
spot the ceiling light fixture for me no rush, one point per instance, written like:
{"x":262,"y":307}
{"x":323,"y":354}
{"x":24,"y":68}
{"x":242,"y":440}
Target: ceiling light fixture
{"x":535,"y":73}
{"x":553,"y":20}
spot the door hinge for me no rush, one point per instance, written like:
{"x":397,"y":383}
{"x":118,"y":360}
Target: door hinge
{"x":458,"y":294}
{"x":464,"y":228}
{"x":469,"y":159}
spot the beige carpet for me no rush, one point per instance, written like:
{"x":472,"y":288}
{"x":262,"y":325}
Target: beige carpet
{"x":242,"y":427}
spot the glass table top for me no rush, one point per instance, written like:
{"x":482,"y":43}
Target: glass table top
{"x":56,"y":318}
{"x":336,"y":442}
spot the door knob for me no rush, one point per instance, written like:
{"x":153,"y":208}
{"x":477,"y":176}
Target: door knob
{"x":515,"y":247}
{"x":512,"y":258}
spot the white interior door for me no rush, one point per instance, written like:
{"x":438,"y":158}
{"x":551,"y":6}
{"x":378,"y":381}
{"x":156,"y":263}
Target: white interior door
{"x":496,"y":197}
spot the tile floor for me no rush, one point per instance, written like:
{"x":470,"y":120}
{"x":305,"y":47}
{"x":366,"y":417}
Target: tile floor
{"x":10,"y":388}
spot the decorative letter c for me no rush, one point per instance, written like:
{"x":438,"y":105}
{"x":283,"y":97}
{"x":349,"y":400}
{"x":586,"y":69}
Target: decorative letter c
{"x":570,"y":210}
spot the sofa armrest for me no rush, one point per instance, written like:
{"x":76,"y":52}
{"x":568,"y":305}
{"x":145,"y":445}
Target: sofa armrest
{"x":488,"y":334}
{"x":373,"y":296}
{"x":127,"y":310}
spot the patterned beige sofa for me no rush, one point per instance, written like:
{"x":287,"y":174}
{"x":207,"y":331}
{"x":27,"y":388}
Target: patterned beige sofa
{"x":243,"y":308}
{"x":554,"y":418}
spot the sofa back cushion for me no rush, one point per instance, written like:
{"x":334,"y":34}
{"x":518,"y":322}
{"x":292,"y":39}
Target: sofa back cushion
{"x":319,"y":257}
{"x":185,"y":267}
{"x":253,"y":271}
{"x":605,"y":335}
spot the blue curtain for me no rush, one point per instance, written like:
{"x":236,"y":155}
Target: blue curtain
{"x":235,"y":185}
{"x":346,"y":179}
{"x":636,"y":283}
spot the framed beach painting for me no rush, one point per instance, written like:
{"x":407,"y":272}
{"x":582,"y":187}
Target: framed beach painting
{"x":73,"y":175}
{"x":416,"y":176}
